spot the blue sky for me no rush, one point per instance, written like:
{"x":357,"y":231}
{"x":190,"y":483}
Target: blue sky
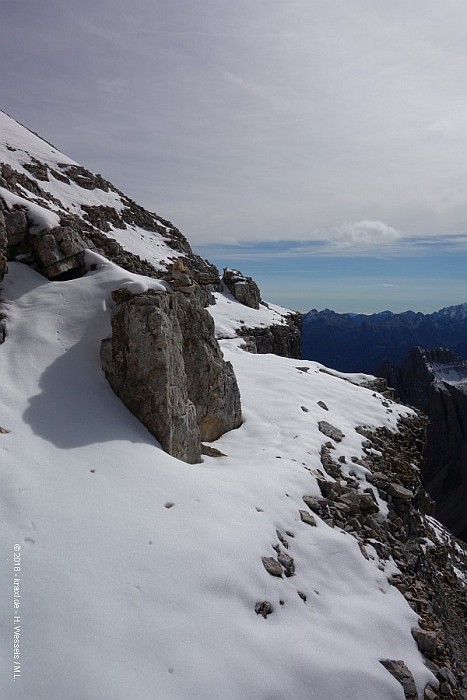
{"x":426,"y":281}
{"x":328,"y":137}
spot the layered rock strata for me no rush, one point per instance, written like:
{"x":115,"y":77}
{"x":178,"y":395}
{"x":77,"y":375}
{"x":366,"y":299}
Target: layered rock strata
{"x":284,"y":340}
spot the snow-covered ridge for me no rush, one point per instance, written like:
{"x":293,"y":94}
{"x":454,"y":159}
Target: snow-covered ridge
{"x":51,"y":188}
{"x":50,"y":180}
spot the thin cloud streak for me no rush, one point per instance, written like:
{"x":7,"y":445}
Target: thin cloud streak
{"x":401,"y":247}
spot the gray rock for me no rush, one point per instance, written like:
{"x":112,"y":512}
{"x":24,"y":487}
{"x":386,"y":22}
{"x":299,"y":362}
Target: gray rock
{"x":166,"y":366}
{"x":313,"y":503}
{"x":447,"y":675}
{"x":264,"y":608}
{"x":249,"y":344}
{"x":368,"y":503}
{"x":211,"y":451}
{"x":16,"y":225}
{"x":307,"y":518}
{"x":60,"y":253}
{"x":330,"y":431}
{"x":244,"y":289}
{"x":426,"y":641}
{"x":401,"y":673}
{"x":284,"y":339}
{"x":400,"y":492}
{"x":287,"y":562}
{"x":272,"y":566}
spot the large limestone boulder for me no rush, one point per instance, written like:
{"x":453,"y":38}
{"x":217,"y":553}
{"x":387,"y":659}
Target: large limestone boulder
{"x":164,"y":363}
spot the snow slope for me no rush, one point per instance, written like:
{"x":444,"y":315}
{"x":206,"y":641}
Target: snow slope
{"x":140,"y":573}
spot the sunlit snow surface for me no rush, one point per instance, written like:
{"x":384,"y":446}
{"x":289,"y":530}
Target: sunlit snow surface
{"x":125,"y":597}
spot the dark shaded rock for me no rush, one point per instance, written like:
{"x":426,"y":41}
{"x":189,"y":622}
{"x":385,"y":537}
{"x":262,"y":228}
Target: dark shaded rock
{"x":83,"y":177}
{"x":166,"y":366}
{"x":284,"y":340}
{"x":313,"y":503}
{"x":426,"y":641}
{"x":429,"y":693}
{"x":447,"y":675}
{"x":264,"y":608}
{"x":37,"y":169}
{"x":249,"y":344}
{"x":244,"y":289}
{"x":282,"y":539}
{"x":16,"y":227}
{"x":401,"y":673}
{"x":211,"y":451}
{"x":287,"y":562}
{"x":399,"y":492}
{"x":60,"y":253}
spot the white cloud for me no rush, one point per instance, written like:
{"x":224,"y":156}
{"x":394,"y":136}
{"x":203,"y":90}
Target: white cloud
{"x":364,"y":234}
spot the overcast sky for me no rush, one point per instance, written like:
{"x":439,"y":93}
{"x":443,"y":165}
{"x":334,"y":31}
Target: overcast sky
{"x":317,"y":130}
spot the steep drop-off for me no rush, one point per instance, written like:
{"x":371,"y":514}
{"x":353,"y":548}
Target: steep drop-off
{"x":435,"y":381}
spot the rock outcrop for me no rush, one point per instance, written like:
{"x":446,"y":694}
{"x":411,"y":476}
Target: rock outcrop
{"x":284,"y":340}
{"x":244,"y":289}
{"x":60,"y":257}
{"x":165,"y":364}
{"x":60,"y":253}
{"x":435,"y":381}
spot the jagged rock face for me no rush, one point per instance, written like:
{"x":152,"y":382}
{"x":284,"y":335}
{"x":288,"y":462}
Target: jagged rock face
{"x":431,"y":568}
{"x":166,"y":366}
{"x":419,"y":382}
{"x":244,"y":289}
{"x":284,"y":340}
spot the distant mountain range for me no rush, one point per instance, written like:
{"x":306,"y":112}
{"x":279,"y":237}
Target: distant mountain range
{"x":353,"y":342}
